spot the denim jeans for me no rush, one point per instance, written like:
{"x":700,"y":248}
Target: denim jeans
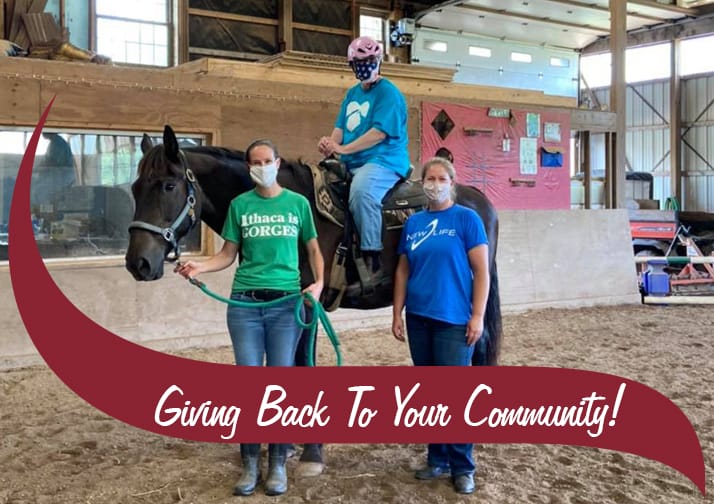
{"x":370,"y":183}
{"x":436,"y":343}
{"x":271,"y":333}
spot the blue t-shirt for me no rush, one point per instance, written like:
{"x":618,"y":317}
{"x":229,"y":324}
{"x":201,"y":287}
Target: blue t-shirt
{"x":382,"y":107}
{"x":440,"y":278}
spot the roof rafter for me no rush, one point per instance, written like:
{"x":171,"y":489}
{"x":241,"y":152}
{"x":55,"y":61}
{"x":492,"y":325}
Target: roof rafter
{"x":602,"y":8}
{"x":503,"y":12}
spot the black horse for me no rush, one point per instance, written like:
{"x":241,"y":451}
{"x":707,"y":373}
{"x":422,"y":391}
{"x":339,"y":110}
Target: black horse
{"x":176,"y":187}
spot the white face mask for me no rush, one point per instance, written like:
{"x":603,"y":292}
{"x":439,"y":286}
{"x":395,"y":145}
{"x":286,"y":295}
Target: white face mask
{"x":264,"y":175}
{"x":436,"y":192}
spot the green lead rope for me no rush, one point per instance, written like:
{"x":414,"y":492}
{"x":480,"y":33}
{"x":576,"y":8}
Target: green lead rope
{"x":320,"y":316}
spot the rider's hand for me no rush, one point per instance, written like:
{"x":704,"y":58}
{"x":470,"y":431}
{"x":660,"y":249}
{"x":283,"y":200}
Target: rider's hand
{"x":329,"y":147}
{"x":323,"y":146}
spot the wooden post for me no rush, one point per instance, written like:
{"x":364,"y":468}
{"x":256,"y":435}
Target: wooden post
{"x":608,"y":190}
{"x":587,"y":168}
{"x":182,"y":29}
{"x":618,"y":103}
{"x":285,"y":25}
{"x":675,"y":126}
{"x":2,"y":19}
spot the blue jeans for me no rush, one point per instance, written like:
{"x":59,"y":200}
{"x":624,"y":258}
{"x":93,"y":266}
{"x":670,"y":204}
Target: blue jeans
{"x":436,"y":343}
{"x":370,"y":183}
{"x":263,"y":332}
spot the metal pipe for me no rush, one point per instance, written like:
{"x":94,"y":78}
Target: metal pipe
{"x":670,"y":260}
{"x":678,"y":299}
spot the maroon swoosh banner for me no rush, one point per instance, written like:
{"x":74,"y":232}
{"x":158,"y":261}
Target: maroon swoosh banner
{"x":223,"y":403}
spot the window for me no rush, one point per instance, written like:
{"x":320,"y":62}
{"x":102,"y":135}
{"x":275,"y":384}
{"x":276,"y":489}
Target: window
{"x":371,"y":26}
{"x":80,"y":195}
{"x":521,"y":57}
{"x":482,"y":52}
{"x":642,"y":64}
{"x":436,"y":45}
{"x":559,"y":62}
{"x":648,"y":63}
{"x":134,"y":31}
{"x":690,"y":55}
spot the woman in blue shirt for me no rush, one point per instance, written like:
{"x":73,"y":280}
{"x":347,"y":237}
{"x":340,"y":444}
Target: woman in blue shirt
{"x":442,"y":279}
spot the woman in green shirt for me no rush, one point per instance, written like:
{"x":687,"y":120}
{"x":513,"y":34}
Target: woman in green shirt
{"x":266,"y":225}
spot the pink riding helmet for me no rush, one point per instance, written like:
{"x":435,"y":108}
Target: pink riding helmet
{"x":363,"y":48}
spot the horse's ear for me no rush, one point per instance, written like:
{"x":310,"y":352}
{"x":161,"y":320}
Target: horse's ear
{"x":146,"y":144}
{"x":171,"y":147}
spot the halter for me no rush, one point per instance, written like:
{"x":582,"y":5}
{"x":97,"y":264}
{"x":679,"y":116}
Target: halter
{"x":169,"y":233}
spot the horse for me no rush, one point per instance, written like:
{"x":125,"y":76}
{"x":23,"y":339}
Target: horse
{"x":181,"y":186}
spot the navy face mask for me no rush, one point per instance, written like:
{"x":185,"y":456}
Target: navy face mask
{"x":366,"y":70}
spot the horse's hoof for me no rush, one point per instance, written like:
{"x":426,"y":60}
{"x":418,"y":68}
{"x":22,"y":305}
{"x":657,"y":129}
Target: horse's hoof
{"x":309,"y":469}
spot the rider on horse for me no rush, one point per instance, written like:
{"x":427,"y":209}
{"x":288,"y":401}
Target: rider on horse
{"x":370,"y":135}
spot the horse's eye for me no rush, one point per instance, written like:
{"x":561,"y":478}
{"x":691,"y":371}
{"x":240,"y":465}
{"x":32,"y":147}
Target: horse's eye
{"x":169,"y":186}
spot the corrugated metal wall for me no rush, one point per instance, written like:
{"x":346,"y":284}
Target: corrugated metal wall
{"x":698,"y":143}
{"x":648,"y":116}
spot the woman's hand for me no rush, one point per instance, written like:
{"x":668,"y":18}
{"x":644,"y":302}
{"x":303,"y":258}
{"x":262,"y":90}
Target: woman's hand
{"x":398,"y":327}
{"x":315,"y":290}
{"x":474,"y":329}
{"x":189,"y":269}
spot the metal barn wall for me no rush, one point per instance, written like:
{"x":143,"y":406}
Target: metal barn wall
{"x":648,"y":140}
{"x":698,"y":143}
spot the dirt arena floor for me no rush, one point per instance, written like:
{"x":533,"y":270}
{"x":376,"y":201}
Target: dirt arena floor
{"x":54,"y":448}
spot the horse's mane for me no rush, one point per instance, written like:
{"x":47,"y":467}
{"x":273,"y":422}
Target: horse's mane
{"x":155,"y":161}
{"x":219,"y":152}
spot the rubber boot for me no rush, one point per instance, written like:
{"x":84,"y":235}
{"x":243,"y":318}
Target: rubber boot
{"x":250,"y":453}
{"x":277,"y":482}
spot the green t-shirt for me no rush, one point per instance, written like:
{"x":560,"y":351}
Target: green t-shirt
{"x":267,"y":231}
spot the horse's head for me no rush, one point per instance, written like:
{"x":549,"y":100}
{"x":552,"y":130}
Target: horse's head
{"x":166,"y":208}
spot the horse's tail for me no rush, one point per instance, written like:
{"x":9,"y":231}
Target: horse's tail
{"x":493,"y":327}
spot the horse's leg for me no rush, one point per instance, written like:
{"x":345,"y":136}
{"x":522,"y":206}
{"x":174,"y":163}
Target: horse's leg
{"x":311,"y":463}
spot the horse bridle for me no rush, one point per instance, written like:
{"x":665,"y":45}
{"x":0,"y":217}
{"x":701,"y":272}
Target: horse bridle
{"x":169,"y":233}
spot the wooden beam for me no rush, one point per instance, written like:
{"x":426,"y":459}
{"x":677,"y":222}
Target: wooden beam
{"x":518,"y":15}
{"x":592,"y":120}
{"x":2,"y":19}
{"x":218,"y":53}
{"x":681,"y":28}
{"x":675,"y":125}
{"x":285,"y":25}
{"x":675,"y":9}
{"x":322,"y":29}
{"x":182,"y":27}
{"x":603,"y":8}
{"x":232,"y":17}
{"x":618,"y":103}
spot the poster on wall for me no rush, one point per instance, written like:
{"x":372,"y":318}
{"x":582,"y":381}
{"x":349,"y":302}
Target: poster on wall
{"x":529,"y":156}
{"x":532,"y":125}
{"x":551,"y":132}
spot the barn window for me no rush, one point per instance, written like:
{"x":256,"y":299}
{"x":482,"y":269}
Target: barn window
{"x":436,"y":45}
{"x":372,"y":26}
{"x":80,"y":195}
{"x":521,"y":57}
{"x":134,"y":31}
{"x":482,"y":52}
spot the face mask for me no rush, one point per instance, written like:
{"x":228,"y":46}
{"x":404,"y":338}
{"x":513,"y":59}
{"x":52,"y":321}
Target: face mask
{"x":438,"y":193}
{"x":265,"y":175}
{"x":366,"y":70}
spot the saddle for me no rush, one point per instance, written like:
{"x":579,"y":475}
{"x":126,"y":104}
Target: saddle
{"x":332,"y":186}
